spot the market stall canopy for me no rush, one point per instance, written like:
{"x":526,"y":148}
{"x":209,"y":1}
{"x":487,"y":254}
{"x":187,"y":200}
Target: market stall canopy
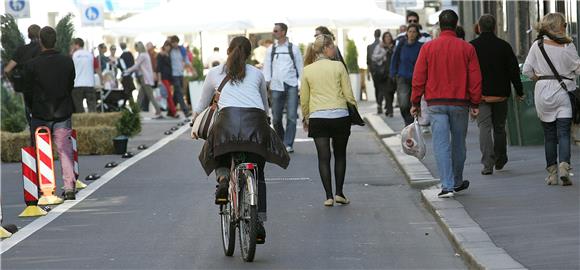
{"x":179,"y":16}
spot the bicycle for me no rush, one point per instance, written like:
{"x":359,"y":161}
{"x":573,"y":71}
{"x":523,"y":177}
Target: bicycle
{"x":241,"y":211}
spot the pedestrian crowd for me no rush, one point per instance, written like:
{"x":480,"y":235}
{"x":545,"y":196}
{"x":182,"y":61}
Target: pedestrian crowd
{"x":440,"y":82}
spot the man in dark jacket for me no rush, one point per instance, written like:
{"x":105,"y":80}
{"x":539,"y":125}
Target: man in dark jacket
{"x":22,"y":55}
{"x":499,"y":68}
{"x":50,"y":78}
{"x":370,"y":50}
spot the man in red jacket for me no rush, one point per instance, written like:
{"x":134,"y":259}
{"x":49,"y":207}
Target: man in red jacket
{"x":447,"y":73}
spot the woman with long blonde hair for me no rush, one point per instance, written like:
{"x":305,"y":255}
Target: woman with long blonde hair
{"x":147,"y":79}
{"x":551,"y":100}
{"x":325,"y":92}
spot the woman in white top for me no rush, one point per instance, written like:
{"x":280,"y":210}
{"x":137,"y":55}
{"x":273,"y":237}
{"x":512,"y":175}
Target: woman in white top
{"x":241,"y":124}
{"x":551,"y":100}
{"x":143,"y":65}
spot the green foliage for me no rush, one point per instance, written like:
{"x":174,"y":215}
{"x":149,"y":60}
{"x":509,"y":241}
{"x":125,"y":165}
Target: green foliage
{"x":351,"y":57}
{"x":64,"y":33}
{"x":130,"y":123}
{"x":302,"y":48}
{"x":197,"y":65}
{"x":11,"y":37}
{"x":13,"y":117}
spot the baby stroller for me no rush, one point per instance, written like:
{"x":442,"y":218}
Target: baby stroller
{"x":111,"y":97}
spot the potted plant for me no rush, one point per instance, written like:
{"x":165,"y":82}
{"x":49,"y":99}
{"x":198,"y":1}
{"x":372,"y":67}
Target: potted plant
{"x":351,"y":60}
{"x":196,"y":83}
{"x":128,"y":126}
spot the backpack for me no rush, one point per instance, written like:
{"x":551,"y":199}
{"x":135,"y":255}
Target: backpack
{"x":290,"y":51}
{"x":380,"y":71}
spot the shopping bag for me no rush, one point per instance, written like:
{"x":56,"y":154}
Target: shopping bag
{"x":412,"y":140}
{"x":159,"y":98}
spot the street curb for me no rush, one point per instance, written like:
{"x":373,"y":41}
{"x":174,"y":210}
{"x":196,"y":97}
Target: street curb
{"x":418,"y":176}
{"x":379,"y":126}
{"x":465,"y":234}
{"x":473,"y":243}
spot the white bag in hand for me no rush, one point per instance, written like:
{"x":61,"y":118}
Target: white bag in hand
{"x":412,"y":140}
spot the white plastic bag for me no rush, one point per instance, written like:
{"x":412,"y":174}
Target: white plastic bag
{"x":159,"y":98}
{"x":412,"y":140}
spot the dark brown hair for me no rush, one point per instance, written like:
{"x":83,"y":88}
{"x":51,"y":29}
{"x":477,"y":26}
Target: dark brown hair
{"x":48,"y":37}
{"x":238,"y":52}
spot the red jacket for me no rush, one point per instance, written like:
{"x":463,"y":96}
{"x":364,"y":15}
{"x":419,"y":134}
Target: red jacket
{"x":447,"y":72}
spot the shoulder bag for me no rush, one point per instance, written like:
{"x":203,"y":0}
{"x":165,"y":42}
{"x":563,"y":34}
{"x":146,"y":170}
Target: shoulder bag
{"x":203,"y":123}
{"x":573,"y":95}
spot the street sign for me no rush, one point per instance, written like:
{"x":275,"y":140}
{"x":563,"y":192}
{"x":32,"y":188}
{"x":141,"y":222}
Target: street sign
{"x":18,"y":8}
{"x":92,"y":15}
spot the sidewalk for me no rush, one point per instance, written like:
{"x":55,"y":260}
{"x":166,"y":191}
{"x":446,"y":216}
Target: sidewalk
{"x":11,"y":173}
{"x":512,"y":209}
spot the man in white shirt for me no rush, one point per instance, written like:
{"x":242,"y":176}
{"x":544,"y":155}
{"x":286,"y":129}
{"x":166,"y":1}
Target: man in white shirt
{"x":282,"y":70}
{"x":215,"y":59}
{"x":85,"y":78}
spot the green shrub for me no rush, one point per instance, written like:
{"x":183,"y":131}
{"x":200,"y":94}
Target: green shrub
{"x":13,"y":118}
{"x":64,"y":33}
{"x":130,"y":123}
{"x":197,"y":65}
{"x":351,"y":58}
{"x":11,"y":37}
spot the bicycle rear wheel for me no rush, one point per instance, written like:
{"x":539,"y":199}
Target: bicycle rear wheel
{"x":248,"y":219}
{"x":228,"y":229}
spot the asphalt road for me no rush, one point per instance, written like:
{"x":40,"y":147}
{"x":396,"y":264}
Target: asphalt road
{"x":159,"y":214}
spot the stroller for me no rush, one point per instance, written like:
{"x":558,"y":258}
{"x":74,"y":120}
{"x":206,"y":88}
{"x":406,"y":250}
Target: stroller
{"x":111,"y":98}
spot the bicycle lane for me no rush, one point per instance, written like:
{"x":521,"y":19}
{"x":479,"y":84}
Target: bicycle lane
{"x":159,"y":214}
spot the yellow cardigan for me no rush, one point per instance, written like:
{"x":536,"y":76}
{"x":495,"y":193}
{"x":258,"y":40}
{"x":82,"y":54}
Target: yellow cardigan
{"x":325,"y":85}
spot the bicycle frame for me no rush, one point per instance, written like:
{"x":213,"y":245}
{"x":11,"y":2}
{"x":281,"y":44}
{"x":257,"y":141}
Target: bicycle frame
{"x":234,"y":186}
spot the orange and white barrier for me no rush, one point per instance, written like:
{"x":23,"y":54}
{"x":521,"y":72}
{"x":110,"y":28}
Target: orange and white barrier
{"x":30,"y":184}
{"x":79,"y":184}
{"x":45,"y":164}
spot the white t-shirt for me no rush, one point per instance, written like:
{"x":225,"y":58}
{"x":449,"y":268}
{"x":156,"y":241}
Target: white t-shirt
{"x":84,"y":69}
{"x":250,"y":93}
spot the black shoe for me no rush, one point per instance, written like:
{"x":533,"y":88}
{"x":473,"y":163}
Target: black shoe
{"x":487,"y":170}
{"x":221,"y":193}
{"x":445,"y":194}
{"x":379,"y":110}
{"x":69,"y":195}
{"x":261,"y":233}
{"x":499,"y":165}
{"x":464,"y":185}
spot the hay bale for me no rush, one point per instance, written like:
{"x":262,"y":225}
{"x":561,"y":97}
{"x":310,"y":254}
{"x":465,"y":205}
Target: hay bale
{"x":11,"y":145}
{"x":96,"y":140}
{"x":109,"y":119}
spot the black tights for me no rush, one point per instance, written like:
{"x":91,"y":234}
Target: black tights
{"x":339,"y":148}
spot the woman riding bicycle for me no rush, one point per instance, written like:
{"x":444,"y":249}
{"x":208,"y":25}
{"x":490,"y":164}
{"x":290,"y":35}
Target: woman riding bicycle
{"x":241,"y":124}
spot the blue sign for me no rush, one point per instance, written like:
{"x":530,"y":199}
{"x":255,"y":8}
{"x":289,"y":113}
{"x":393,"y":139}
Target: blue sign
{"x":92,"y":13}
{"x":17,"y":5}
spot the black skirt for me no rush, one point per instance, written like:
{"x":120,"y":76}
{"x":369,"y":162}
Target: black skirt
{"x":329,"y":127}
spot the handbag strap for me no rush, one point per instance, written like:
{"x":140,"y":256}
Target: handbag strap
{"x":556,"y":74}
{"x":224,"y":81}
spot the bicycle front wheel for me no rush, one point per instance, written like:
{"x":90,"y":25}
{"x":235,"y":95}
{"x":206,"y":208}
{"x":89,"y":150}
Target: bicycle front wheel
{"x":228,"y":229}
{"x":248,"y":220}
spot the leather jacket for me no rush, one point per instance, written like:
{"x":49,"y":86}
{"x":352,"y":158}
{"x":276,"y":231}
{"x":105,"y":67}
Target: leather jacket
{"x":242,"y":130}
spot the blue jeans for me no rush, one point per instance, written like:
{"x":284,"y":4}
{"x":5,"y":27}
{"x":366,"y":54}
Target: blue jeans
{"x":557,"y":140}
{"x":288,"y":97}
{"x":449,"y":128}
{"x":177,"y":82}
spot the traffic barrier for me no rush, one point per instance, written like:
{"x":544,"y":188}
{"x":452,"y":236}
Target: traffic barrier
{"x":78,"y":184}
{"x":30,"y":184}
{"x":4,"y":233}
{"x":45,"y":163}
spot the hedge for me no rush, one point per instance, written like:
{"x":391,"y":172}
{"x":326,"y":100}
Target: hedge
{"x":109,"y":119}
{"x":91,"y":140}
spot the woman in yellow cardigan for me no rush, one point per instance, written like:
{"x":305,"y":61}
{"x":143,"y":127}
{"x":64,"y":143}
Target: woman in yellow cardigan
{"x":325,"y":91}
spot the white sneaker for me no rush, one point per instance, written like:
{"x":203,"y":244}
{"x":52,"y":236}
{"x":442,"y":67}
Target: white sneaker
{"x":289,"y":149}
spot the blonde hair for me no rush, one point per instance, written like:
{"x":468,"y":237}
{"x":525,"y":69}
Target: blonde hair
{"x":315,"y":49}
{"x":551,"y":26}
{"x":140,"y":47}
